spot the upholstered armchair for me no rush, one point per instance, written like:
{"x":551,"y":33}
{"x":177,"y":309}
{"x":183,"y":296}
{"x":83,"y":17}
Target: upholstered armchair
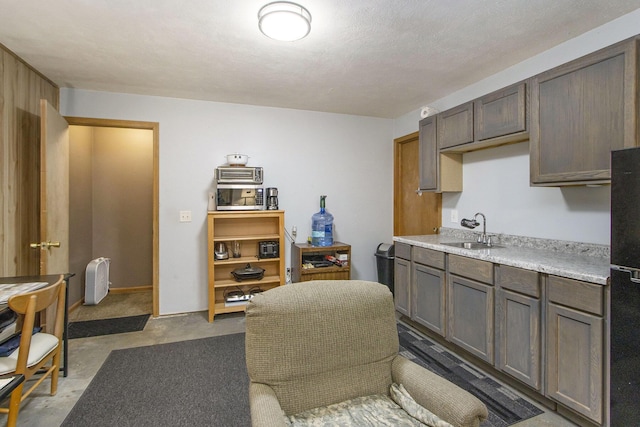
{"x":315,"y":344}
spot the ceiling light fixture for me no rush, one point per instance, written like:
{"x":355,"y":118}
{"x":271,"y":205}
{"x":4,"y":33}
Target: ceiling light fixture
{"x":284,"y":20}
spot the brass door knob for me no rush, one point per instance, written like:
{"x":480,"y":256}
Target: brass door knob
{"x":45,"y":245}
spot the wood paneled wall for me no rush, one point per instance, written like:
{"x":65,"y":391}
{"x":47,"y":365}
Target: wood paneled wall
{"x":21,"y":88}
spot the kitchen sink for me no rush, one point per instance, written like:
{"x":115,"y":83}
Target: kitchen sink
{"x":470,"y":245}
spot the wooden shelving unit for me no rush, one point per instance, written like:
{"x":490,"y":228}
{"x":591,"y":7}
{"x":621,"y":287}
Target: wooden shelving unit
{"x":248,"y":228}
{"x":300,"y":251}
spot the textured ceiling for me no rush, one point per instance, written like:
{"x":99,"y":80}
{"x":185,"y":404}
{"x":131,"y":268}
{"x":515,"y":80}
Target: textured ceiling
{"x":379,"y":58}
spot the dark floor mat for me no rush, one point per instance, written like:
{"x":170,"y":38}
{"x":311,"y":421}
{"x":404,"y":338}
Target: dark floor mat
{"x":116,"y":325}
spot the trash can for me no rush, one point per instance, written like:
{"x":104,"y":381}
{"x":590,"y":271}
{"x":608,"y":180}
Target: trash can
{"x":385,"y":256}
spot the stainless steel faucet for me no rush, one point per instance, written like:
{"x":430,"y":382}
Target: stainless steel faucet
{"x":473,"y":223}
{"x":483,"y":237}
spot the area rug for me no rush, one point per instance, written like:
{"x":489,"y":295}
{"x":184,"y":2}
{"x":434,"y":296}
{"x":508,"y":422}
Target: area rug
{"x":505,"y":407}
{"x":116,"y":325}
{"x":205,"y":382}
{"x":201,"y":382}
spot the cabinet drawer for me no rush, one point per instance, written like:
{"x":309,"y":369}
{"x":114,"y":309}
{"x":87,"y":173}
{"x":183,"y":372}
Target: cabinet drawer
{"x":403,"y":251}
{"x":519,"y":280}
{"x":428,"y":257}
{"x":476,"y":269}
{"x":582,"y":296}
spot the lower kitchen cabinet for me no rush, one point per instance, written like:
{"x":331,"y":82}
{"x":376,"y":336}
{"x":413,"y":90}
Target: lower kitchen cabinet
{"x":575,"y":346}
{"x":402,"y":279}
{"x":546,"y":332}
{"x":575,"y":360}
{"x":470,"y":316}
{"x":518,"y":325}
{"x":518,"y":336}
{"x":429,"y":297}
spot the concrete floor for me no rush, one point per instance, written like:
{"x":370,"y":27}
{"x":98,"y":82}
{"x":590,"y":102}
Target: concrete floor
{"x":86,"y":355}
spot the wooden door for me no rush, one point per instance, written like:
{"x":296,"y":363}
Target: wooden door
{"x":54,"y":191}
{"x":414,"y":213}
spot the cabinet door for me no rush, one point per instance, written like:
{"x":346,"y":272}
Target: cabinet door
{"x":428,"y":154}
{"x":402,"y":288}
{"x":580,"y":112}
{"x":501,"y":113}
{"x":428,"y":297}
{"x":518,"y":336}
{"x":455,"y":126}
{"x":574,"y":374}
{"x":470,"y":316}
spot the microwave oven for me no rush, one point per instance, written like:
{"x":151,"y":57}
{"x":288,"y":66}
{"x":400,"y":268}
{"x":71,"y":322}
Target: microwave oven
{"x":239,"y":197}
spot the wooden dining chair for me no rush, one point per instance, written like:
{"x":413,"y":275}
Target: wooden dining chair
{"x":36,"y":351}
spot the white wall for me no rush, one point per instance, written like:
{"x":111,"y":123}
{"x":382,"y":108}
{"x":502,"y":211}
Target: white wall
{"x":496,"y":181}
{"x":304,"y":154}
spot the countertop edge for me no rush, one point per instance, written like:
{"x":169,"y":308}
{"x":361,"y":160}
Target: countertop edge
{"x":584,"y":268}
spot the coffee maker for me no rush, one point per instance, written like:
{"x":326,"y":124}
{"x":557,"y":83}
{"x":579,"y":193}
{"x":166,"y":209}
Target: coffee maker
{"x":272,"y":198}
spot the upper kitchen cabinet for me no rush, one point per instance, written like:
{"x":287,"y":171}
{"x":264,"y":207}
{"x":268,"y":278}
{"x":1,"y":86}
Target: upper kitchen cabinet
{"x":498,"y":118}
{"x":455,"y":126}
{"x":502,"y":114}
{"x":580,"y":112}
{"x":439,"y":172}
{"x":428,"y":154}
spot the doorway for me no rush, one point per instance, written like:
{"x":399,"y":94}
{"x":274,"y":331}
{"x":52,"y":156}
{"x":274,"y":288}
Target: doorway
{"x":414,"y":212}
{"x":116,"y":203}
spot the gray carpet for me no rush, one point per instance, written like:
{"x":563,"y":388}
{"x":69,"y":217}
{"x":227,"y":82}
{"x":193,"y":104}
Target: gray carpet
{"x":199,"y":382}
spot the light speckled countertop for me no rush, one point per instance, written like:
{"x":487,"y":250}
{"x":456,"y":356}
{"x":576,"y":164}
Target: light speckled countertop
{"x":586,"y":262}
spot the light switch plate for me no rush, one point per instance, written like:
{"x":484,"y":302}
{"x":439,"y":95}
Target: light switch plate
{"x":185,"y":216}
{"x":454,"y":215}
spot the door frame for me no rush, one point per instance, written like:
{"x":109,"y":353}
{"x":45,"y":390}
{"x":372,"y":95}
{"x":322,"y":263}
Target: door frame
{"x":434,"y":221}
{"x":397,"y":167}
{"x":155,"y":127}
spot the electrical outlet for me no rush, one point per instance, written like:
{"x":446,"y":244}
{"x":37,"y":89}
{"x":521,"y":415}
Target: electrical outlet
{"x":454,"y":215}
{"x":294,"y":232}
{"x":185,"y":216}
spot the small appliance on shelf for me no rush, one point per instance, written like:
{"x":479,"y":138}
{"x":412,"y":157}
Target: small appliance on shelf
{"x":239,"y":188}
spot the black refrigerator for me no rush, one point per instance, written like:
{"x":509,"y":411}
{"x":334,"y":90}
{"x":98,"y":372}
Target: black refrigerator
{"x":624,"y":355}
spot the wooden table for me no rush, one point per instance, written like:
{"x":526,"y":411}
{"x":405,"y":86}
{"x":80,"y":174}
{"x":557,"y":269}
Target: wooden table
{"x":51,"y":279}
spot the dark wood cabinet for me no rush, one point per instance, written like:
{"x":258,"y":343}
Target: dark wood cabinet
{"x":428,"y":154}
{"x":518,"y":324}
{"x":502,"y":113}
{"x":575,"y":367}
{"x":546,"y":332}
{"x":439,"y":172}
{"x":470,"y":316}
{"x":402,"y":278}
{"x":581,"y":111}
{"x":428,"y":289}
{"x":455,"y":126}
{"x":470,"y":305}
